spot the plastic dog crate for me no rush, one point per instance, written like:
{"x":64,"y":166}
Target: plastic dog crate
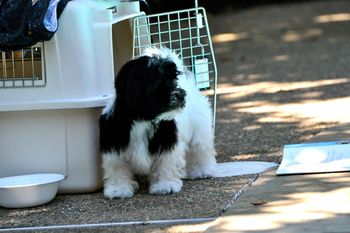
{"x":51,"y":94}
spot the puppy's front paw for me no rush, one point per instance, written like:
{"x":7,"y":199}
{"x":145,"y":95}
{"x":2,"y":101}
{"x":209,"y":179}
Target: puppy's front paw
{"x":202,"y":172}
{"x":166,"y":187}
{"x":125,"y":190}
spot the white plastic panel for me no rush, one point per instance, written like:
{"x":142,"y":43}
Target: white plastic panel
{"x":54,"y":128}
{"x":32,"y":142}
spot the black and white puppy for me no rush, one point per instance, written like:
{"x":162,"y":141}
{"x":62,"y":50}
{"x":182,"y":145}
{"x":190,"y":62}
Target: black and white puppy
{"x":159,"y":125}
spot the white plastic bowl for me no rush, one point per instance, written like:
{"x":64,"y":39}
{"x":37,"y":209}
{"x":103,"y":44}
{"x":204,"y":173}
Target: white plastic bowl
{"x":28,"y":190}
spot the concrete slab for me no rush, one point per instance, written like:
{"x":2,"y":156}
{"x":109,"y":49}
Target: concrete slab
{"x":303,"y":203}
{"x":198,"y":199}
{"x":295,"y":203}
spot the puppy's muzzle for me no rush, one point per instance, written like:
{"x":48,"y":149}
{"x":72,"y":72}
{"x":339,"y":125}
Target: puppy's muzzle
{"x":178,"y":98}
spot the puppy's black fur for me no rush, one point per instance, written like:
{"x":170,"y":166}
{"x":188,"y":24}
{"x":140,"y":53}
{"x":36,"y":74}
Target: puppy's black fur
{"x":145,"y":87}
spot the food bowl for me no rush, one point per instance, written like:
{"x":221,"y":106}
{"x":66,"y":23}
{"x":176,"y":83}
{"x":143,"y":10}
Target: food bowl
{"x":28,"y":190}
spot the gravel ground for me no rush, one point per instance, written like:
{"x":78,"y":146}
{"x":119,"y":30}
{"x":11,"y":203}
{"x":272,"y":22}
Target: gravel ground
{"x":277,"y":63}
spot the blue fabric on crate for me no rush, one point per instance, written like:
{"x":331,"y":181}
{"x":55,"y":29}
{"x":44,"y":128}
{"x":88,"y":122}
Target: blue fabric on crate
{"x":50,"y":19}
{"x":23,"y":23}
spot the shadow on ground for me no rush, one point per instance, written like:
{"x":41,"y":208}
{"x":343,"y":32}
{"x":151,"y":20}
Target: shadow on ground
{"x":283,"y":76}
{"x":308,"y":203}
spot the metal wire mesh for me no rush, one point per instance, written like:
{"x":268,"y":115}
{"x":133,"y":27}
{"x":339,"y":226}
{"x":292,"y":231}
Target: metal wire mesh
{"x":22,"y":68}
{"x":187,"y":33}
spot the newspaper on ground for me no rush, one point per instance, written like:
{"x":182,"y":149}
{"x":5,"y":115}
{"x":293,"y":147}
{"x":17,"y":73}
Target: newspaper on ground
{"x":318,"y":157}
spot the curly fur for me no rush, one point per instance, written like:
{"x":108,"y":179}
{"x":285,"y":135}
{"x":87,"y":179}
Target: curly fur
{"x":158,"y":125}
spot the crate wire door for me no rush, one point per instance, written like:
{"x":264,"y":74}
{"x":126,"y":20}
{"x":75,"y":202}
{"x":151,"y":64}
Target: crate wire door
{"x":186,"y":32}
{"x":23,"y":68}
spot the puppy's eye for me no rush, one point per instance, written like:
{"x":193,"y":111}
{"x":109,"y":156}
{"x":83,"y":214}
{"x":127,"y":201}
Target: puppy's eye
{"x":178,"y":73}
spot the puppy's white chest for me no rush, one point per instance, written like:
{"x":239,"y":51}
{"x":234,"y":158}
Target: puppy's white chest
{"x":137,"y":153}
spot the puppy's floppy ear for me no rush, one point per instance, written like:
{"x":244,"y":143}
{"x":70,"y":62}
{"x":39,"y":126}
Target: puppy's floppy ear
{"x":133,"y":73}
{"x":165,"y":67}
{"x":168,"y":69}
{"x":131,"y":82}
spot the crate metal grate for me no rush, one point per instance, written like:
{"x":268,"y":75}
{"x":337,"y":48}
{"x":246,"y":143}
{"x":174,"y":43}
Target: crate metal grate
{"x":23,"y":68}
{"x":186,"y":32}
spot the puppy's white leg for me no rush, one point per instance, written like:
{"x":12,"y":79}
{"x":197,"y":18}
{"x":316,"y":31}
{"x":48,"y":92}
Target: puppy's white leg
{"x":200,"y":161}
{"x":118,"y":178}
{"x":167,"y":171}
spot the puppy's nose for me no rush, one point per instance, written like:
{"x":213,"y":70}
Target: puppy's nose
{"x":180,"y":94}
